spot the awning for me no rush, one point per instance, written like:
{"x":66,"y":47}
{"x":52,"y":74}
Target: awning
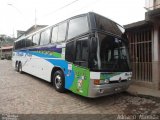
{"x":6,"y":48}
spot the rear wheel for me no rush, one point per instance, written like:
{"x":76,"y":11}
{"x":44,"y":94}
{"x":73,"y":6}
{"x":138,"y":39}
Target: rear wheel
{"x":16,"y":66}
{"x":59,"y":81}
{"x":20,"y":68}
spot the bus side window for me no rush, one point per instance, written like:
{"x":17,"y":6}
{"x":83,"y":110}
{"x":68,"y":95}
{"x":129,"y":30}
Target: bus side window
{"x":62,"y":32}
{"x":78,"y":26}
{"x":45,"y":37}
{"x":82,"y":52}
{"x":28,"y":42}
{"x":54,"y":34}
{"x":36,"y":39}
{"x":18,"y":44}
{"x":59,"y":33}
{"x":23,"y":44}
{"x":15,"y":45}
{"x":70,"y":51}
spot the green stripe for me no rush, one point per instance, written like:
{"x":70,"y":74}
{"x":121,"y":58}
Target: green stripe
{"x":58,"y":55}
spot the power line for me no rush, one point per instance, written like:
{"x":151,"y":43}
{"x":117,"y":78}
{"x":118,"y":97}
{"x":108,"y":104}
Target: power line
{"x":62,"y":7}
{"x":88,"y":5}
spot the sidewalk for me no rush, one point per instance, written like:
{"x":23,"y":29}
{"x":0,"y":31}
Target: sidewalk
{"x":138,"y":90}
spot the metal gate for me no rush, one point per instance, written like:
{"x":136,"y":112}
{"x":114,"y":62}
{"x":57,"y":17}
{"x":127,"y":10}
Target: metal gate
{"x":140,"y":45}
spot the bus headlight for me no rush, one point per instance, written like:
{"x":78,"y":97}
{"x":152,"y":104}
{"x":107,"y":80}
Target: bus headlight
{"x":96,"y":82}
{"x":99,"y":82}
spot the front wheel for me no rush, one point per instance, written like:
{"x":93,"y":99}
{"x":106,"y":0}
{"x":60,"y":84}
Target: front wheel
{"x":59,"y":81}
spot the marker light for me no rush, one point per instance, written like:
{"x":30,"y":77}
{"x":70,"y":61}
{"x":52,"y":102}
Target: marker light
{"x":96,"y":82}
{"x":99,"y":82}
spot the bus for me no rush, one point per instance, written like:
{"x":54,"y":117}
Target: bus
{"x":86,"y":54}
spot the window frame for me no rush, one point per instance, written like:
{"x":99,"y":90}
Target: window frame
{"x":52,"y":34}
{"x":34,"y":35}
{"x":31,"y":38}
{"x":57,"y":25}
{"x":73,"y":50}
{"x":66,"y":33}
{"x":77,"y":62}
{"x":49,"y":41}
{"x":79,"y":16}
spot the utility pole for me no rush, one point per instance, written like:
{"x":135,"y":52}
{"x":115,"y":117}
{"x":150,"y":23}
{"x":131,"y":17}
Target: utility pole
{"x":1,"y":47}
{"x":35,"y":18}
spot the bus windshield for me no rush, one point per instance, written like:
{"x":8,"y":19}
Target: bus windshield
{"x":112,"y":54}
{"x":108,"y":25}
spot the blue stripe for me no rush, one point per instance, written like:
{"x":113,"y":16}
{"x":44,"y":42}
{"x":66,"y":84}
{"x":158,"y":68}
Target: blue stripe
{"x":56,"y":62}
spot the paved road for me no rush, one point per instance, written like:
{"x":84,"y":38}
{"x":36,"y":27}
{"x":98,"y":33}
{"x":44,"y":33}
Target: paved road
{"x":25,"y":94}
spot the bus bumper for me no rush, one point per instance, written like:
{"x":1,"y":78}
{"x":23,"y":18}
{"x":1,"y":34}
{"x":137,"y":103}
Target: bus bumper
{"x":107,"y":89}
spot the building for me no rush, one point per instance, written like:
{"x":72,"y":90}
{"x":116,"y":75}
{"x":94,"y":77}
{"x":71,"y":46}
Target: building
{"x":6,"y":43}
{"x":6,"y":52}
{"x":144,"y":44}
{"x":6,"y":46}
{"x":20,"y":33}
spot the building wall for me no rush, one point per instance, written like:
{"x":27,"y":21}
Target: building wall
{"x":149,"y":4}
{"x":156,"y":55}
{"x":7,"y":53}
{"x":144,"y":44}
{"x":152,"y":4}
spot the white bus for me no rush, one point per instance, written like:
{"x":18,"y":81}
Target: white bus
{"x":86,"y":54}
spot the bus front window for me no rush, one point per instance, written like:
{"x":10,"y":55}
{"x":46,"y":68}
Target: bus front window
{"x":113,"y":54}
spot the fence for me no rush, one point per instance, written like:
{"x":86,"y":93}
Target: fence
{"x":140,"y":45}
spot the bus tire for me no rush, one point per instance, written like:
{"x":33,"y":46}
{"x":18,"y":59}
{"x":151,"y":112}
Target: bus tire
{"x":20,"y":68}
{"x":59,"y":81}
{"x":16,"y":66}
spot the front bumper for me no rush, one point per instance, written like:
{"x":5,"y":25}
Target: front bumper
{"x":107,"y":89}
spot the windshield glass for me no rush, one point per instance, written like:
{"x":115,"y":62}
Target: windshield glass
{"x":108,"y":25}
{"x":113,"y":54}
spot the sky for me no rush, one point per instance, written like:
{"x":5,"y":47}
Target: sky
{"x":21,"y":14}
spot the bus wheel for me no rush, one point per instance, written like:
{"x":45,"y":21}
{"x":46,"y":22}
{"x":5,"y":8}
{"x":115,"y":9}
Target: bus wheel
{"x":20,"y":68}
{"x":16,"y":66}
{"x":59,"y":81}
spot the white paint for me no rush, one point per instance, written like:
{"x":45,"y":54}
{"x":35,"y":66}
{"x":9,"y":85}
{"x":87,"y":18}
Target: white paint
{"x":155,"y":41}
{"x":36,"y":66}
{"x":95,"y":75}
{"x":69,"y":66}
{"x":123,"y":76}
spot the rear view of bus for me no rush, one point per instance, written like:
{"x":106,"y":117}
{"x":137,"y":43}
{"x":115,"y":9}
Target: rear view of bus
{"x":101,"y":58}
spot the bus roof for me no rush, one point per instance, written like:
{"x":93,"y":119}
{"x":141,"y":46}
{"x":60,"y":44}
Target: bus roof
{"x":89,"y":13}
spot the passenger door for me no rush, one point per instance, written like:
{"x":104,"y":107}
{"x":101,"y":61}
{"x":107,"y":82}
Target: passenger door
{"x":82,"y":52}
{"x":77,"y":51}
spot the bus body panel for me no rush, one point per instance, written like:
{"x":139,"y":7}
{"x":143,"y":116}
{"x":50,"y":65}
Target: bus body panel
{"x":78,"y":79}
{"x":39,"y":60}
{"x":118,"y":82}
{"x":40,"y":64}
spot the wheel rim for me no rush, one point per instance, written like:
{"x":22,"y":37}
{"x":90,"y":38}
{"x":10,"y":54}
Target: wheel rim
{"x":58,"y":81}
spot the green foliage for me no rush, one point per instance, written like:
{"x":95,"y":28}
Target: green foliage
{"x":6,"y":40}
